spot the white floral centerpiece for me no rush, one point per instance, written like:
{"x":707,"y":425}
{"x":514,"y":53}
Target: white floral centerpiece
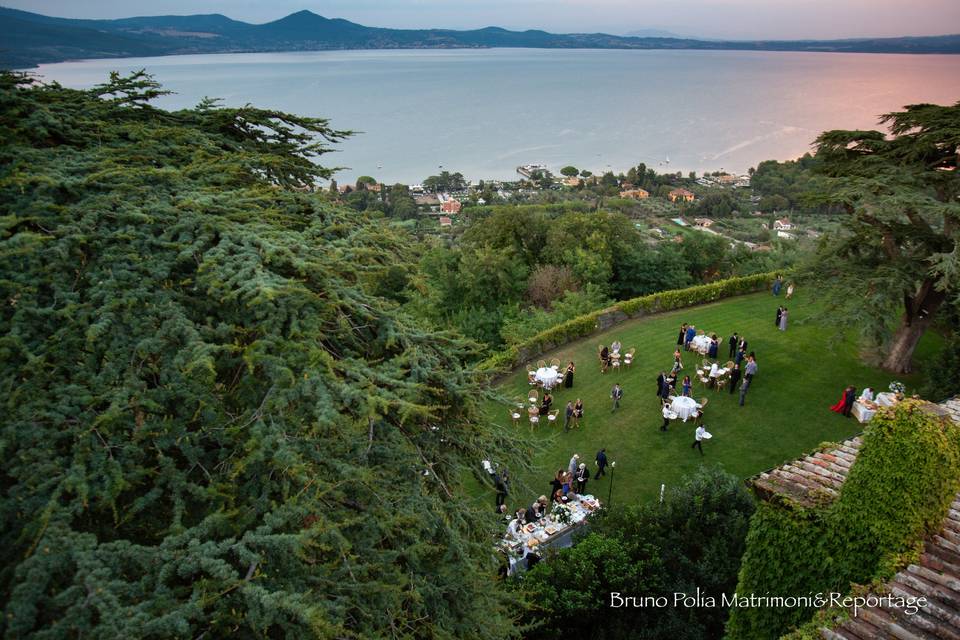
{"x":561,"y":514}
{"x":898,"y":388}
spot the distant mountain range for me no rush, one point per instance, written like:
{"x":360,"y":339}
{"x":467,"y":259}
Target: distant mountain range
{"x":28,"y":39}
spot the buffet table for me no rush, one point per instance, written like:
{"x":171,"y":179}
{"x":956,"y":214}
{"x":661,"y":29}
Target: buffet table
{"x":548,"y":533}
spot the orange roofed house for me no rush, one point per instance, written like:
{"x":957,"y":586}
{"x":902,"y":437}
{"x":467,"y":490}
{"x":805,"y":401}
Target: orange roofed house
{"x":680,"y":194}
{"x":635,"y":194}
{"x":451,"y":206}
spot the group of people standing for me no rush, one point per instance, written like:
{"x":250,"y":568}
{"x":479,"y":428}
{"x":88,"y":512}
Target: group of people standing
{"x":566,"y":484}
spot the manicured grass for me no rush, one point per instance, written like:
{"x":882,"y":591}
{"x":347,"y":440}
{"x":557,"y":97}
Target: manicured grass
{"x":801,"y":374}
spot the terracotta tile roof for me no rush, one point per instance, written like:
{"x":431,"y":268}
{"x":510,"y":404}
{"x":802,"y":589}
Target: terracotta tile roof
{"x":812,"y":480}
{"x":935,"y":576}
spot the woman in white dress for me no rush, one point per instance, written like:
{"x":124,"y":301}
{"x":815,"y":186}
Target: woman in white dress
{"x":783,"y":320}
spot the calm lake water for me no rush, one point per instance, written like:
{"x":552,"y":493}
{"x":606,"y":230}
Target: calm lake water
{"x":483,"y":112}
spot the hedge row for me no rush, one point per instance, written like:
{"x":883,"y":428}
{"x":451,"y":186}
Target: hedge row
{"x":634,"y":308}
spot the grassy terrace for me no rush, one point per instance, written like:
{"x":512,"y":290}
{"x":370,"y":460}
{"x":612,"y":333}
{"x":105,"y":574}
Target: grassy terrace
{"x":801,"y":374}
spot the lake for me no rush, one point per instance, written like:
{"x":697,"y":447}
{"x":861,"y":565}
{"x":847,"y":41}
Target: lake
{"x":483,"y":112}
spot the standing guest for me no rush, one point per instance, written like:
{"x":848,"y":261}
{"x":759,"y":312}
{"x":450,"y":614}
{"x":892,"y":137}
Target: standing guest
{"x":668,"y":385}
{"x":734,"y":377}
{"x":666,"y":416}
{"x":714,"y":347}
{"x":502,"y":482}
{"x":601,"y":462}
{"x":691,"y":331}
{"x":733,"y":342}
{"x":616,"y":393}
{"x":783,"y":320}
{"x":661,"y":380}
{"x":568,"y":416}
{"x":848,"y":399}
{"x":687,"y":385}
{"x":777,"y":284}
{"x":604,"y":359}
{"x":789,"y":291}
{"x":744,"y":386}
{"x":567,"y":482}
{"x":574,"y":463}
{"x":776,"y":322}
{"x":556,"y":485}
{"x":683,"y":333}
{"x":741,"y":354}
{"x":698,"y":438}
{"x":533,"y":512}
{"x":515,"y":528}
{"x":545,"y":404}
{"x":677,"y":362}
{"x":577,"y":412}
{"x":742,"y":346}
{"x":568,"y":378}
{"x":583,"y":474}
{"x":750,"y":369}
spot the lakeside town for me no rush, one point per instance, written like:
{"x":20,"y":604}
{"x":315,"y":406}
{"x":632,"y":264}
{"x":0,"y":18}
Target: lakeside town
{"x":664,"y":206}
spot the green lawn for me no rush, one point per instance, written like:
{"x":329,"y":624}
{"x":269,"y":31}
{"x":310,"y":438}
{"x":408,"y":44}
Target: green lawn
{"x":786,"y":413}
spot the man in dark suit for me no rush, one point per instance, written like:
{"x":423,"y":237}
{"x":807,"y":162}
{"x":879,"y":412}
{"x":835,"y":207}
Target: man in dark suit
{"x":583,"y":474}
{"x":733,"y":342}
{"x":601,"y":462}
{"x":734,"y":377}
{"x":661,"y":380}
{"x":848,"y":399}
{"x":616,"y":393}
{"x":500,"y":484}
{"x":743,"y":344}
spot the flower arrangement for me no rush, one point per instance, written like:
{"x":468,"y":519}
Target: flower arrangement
{"x":560,"y":513}
{"x":897,"y":387}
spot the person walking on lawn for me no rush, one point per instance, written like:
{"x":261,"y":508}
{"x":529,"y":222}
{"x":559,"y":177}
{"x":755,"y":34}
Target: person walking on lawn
{"x":616,"y":393}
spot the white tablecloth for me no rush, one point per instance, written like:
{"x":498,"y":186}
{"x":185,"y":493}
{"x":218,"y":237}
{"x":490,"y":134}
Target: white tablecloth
{"x":684,"y":406}
{"x":722,"y":371}
{"x":518,"y":547}
{"x":547,"y":375}
{"x":886,"y":399}
{"x":701,"y":343}
{"x":862,"y":412}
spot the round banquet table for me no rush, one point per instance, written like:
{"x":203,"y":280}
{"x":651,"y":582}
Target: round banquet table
{"x":684,"y":406}
{"x":701,"y":343}
{"x":546,"y":375}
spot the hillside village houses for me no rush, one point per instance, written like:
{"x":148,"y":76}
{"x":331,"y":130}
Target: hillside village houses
{"x":635,"y":194}
{"x":445,"y":221}
{"x":705,"y":223}
{"x":449,"y":205}
{"x":680,"y":194}
{"x":782,"y":225}
{"x":572,"y":181}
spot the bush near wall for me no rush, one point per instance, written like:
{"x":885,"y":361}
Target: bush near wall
{"x":897,"y":493}
{"x":634,"y":308}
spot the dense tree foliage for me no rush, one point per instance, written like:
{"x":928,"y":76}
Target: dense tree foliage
{"x":694,"y":539}
{"x":211,"y":427}
{"x":898,"y":249}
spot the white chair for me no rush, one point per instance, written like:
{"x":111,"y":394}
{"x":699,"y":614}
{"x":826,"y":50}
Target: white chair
{"x":615,"y":364}
{"x":534,"y":421}
{"x":515,"y":414}
{"x":552,"y":416}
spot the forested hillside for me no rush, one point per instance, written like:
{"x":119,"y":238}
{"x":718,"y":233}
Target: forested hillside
{"x":212,"y":428}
